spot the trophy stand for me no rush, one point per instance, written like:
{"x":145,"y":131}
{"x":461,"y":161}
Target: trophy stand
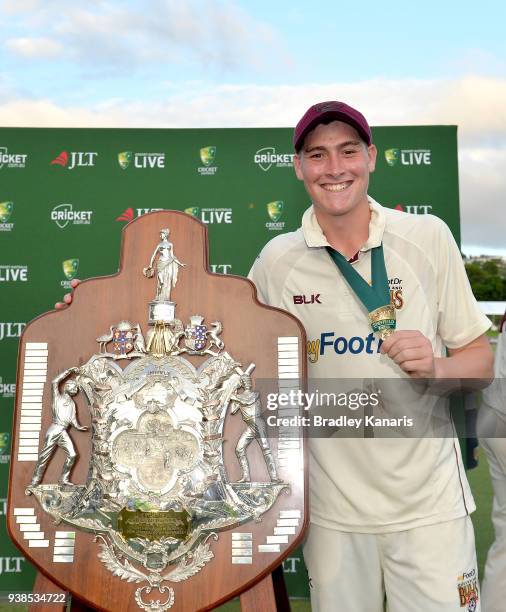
{"x":146,"y":473}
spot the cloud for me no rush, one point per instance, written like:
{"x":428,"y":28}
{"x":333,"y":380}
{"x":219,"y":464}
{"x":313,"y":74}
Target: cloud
{"x":477,"y":105}
{"x":34,"y":48}
{"x":105,"y":36}
{"x":20,"y":6}
{"x":483,"y":191}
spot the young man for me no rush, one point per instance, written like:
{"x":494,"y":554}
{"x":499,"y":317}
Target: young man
{"x":389,"y":516}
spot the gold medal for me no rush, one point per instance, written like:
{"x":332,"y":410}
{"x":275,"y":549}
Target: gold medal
{"x":382,"y":321}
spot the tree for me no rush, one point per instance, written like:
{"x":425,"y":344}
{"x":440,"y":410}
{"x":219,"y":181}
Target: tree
{"x":488,"y":279}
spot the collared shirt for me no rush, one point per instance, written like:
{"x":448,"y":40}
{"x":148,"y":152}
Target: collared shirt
{"x":387,"y":484}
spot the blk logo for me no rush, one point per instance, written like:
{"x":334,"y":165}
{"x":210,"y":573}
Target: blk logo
{"x":314,"y":298}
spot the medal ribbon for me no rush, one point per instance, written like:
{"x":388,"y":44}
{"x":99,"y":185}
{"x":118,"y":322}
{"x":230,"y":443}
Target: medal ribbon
{"x":372,"y":296}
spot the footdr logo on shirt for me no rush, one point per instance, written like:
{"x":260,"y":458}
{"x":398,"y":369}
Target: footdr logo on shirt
{"x":329,"y":343}
{"x":408,"y":157}
{"x":467,"y":586}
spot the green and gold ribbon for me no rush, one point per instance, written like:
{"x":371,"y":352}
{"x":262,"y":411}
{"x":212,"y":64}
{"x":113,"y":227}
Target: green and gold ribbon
{"x":376,"y":296}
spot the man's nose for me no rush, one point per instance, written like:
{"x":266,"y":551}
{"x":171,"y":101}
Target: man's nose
{"x":334,"y":164}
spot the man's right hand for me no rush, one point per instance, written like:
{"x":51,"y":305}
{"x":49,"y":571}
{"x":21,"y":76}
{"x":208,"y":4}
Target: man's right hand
{"x":67,"y":298}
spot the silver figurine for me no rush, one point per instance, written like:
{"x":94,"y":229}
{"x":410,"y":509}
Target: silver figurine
{"x":64,"y":416}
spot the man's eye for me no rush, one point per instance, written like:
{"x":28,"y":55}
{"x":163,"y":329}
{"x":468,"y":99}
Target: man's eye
{"x":315,"y":156}
{"x":349,"y":151}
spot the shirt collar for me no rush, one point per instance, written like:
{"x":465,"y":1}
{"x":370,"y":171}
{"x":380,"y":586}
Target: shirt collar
{"x":314,"y":236}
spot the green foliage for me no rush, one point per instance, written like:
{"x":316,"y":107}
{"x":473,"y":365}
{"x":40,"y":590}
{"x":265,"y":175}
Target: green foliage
{"x":488,"y":279}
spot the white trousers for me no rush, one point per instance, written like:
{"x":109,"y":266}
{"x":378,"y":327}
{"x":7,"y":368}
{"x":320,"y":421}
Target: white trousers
{"x":494,"y":583}
{"x":426,"y":569}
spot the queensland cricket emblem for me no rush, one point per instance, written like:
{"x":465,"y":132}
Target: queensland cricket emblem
{"x":157,"y":493}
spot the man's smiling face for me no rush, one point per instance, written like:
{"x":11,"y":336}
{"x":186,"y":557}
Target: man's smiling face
{"x":334,"y":164}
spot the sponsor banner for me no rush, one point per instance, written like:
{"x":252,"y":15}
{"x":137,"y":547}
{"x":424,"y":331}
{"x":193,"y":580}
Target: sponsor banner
{"x":12,"y":160}
{"x":63,"y":214}
{"x":13,"y":274}
{"x":28,"y":236}
{"x":408,"y":157}
{"x":267,"y":158}
{"x":75,"y":159}
{"x":129,"y":159}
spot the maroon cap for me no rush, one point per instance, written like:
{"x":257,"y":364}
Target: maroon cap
{"x":325,"y":112}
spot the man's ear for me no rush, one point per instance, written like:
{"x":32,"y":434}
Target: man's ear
{"x":372,"y":151}
{"x":297,"y":162}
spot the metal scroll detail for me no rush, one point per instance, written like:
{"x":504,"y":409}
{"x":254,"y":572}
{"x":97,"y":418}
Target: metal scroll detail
{"x":157,"y":491}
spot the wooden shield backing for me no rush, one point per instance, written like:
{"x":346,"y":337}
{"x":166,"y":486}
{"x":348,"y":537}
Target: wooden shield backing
{"x":252,"y":332}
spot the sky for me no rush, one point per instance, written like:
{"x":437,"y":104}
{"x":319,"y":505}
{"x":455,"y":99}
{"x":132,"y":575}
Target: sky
{"x":195,"y":63}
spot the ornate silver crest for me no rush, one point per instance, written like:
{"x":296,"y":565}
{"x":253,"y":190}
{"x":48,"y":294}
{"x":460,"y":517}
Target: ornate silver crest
{"x":157,"y":493}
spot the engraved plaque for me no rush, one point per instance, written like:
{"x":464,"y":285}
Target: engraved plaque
{"x":154,"y":525}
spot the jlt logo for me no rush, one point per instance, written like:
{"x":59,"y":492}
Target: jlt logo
{"x":314,"y":298}
{"x":290,"y":565}
{"x":129,"y":215}
{"x":415,"y":209}
{"x":77,"y":159}
{"x":221,"y":268}
{"x":11,"y":565}
{"x":11,"y":330}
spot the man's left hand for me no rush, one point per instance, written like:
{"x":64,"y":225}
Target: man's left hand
{"x":412,"y":352}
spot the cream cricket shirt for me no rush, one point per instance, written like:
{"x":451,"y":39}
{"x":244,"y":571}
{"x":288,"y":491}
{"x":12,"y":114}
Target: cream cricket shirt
{"x":381,"y":484}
